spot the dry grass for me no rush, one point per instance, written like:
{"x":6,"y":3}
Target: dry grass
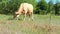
{"x":40,"y":25}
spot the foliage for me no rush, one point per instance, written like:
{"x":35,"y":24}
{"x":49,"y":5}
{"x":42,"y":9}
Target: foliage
{"x":10,"y":6}
{"x":57,"y":8}
{"x":41,"y":7}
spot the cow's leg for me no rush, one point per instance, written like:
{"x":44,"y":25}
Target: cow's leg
{"x":25,"y":15}
{"x":32,"y":16}
{"x":29,"y":16}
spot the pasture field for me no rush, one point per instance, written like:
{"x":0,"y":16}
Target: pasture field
{"x":41,"y":25}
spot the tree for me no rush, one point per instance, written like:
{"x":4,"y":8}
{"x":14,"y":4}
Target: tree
{"x":51,"y":7}
{"x":42,"y":7}
{"x":10,"y":6}
{"x":57,"y":8}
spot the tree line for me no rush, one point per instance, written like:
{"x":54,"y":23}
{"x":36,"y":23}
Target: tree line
{"x":41,"y":7}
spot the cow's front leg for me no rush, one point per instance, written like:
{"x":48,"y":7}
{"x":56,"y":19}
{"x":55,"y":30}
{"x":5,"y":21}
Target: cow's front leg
{"x":24,"y":16}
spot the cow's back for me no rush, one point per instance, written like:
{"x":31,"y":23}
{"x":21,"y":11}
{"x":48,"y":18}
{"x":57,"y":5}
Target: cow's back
{"x":27,"y":7}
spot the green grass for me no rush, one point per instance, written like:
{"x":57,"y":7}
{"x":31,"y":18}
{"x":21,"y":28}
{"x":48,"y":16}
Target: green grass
{"x":40,"y":25}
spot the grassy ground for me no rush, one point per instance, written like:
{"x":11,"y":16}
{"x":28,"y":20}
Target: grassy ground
{"x":41,"y":25}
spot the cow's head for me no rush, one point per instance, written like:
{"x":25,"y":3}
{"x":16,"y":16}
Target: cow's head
{"x":16,"y":15}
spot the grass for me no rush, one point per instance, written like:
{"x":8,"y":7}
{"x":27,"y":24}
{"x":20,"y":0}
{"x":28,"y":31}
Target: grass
{"x":40,"y":25}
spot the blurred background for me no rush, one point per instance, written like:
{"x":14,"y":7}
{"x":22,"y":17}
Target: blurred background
{"x":43,"y":7}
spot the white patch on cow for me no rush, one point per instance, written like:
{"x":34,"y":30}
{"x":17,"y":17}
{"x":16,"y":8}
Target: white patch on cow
{"x":17,"y":15}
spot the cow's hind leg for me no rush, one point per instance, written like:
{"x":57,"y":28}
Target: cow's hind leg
{"x":31,"y":16}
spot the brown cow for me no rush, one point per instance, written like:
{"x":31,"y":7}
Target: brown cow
{"x":24,"y":8}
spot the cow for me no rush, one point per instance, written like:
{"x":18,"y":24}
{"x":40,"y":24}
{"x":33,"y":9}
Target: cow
{"x":25,"y":8}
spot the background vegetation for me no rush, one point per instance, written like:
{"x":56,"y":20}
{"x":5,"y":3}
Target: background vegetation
{"x":41,"y":7}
